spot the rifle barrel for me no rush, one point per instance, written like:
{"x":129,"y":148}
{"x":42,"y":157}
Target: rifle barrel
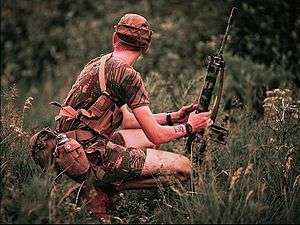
{"x":229,"y":23}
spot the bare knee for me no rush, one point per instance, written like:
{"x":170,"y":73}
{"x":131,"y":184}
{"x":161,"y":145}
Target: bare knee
{"x":132,"y":138}
{"x":167,"y":164}
{"x":183,"y":170}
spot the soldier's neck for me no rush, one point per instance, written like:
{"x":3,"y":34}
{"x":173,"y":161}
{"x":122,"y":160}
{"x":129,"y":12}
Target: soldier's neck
{"x":129,"y":57}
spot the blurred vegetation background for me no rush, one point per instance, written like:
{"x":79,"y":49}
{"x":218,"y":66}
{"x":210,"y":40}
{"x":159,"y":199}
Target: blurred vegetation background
{"x":45,"y":44}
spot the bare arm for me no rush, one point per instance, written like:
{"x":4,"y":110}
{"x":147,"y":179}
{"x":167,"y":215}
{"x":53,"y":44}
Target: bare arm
{"x":180,"y":116}
{"x":159,"y":134}
{"x":129,"y":121}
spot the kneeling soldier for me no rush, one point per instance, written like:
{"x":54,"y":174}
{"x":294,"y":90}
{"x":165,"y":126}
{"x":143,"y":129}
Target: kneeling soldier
{"x":97,"y":105}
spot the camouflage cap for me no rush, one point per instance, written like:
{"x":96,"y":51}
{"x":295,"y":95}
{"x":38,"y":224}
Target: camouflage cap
{"x":134,"y":30}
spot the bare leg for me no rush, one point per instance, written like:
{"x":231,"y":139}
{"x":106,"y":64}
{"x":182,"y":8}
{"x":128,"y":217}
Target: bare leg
{"x":160,"y":166}
{"x":132,"y":138}
{"x":159,"y":169}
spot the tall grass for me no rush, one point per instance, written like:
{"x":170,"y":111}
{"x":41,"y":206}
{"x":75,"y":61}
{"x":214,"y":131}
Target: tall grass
{"x":253,"y":179}
{"x":27,"y":194}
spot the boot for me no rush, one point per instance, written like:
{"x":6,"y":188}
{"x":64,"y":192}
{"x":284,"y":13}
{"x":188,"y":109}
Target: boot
{"x":98,"y":202}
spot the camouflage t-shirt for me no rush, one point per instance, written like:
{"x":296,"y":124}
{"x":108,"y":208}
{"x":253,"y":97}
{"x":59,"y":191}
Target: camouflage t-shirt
{"x":123,"y":83}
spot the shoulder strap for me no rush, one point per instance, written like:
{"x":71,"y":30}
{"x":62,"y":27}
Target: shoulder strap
{"x":102,"y":80}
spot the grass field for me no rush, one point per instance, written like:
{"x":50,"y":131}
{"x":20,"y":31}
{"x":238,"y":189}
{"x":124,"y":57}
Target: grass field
{"x":253,"y":179}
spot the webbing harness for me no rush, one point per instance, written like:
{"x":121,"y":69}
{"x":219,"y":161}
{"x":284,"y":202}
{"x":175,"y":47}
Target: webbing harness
{"x":100,"y":109}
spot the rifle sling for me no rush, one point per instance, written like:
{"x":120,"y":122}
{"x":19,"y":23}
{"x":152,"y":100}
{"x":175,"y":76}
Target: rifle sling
{"x":101,"y":73}
{"x":216,"y":105}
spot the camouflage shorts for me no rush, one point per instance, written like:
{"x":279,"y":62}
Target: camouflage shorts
{"x":115,"y":164}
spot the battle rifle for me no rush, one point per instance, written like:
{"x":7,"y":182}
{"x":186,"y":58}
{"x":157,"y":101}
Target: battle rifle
{"x":197,"y":142}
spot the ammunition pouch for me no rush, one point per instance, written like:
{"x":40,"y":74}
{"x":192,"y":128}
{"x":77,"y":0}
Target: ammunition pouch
{"x":100,"y":117}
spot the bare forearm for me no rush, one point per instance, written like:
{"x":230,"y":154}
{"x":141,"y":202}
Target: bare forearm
{"x":159,"y":134}
{"x":162,"y":134}
{"x":161,"y":118}
{"x":156,"y":133}
{"x":169,"y":133}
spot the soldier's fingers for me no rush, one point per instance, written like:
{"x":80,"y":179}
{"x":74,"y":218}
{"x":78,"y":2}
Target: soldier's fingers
{"x":205,"y":114}
{"x":189,"y":108}
{"x":208,"y":123}
{"x":193,"y":107}
{"x":193,"y":113}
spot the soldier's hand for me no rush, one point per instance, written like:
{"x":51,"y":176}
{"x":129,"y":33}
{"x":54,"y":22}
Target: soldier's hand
{"x":199,"y":120}
{"x":182,"y":115}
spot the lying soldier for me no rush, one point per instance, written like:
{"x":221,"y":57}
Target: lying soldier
{"x":120,"y":145}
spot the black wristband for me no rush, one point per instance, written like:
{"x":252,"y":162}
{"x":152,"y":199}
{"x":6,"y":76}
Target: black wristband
{"x":189,"y":129}
{"x":169,"y":119}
